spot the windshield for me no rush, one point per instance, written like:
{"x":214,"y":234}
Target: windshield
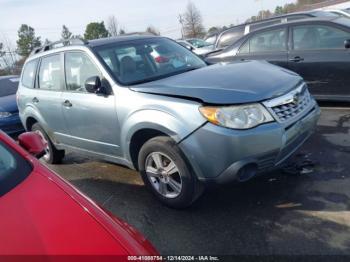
{"x":199,"y":43}
{"x":13,"y":169}
{"x":147,"y":60}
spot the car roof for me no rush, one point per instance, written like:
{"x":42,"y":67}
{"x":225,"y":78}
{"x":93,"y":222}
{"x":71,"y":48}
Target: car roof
{"x":118,"y":39}
{"x":338,"y":20}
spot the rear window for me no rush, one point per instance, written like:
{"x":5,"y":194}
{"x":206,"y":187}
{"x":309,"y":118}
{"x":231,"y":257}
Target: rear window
{"x":29,"y":74}
{"x":230,"y":36}
{"x":13,"y":169}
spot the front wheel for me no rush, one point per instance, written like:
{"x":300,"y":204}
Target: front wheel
{"x":166,"y":173}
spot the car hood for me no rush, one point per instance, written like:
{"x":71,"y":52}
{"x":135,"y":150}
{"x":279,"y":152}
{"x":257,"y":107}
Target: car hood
{"x":234,"y":83}
{"x":8,"y":104}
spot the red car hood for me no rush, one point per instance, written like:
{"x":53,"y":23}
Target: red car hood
{"x":44,"y":215}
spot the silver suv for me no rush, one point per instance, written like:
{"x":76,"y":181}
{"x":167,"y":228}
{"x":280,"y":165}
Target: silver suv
{"x":180,"y":123}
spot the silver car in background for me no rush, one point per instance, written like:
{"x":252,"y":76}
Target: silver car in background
{"x":150,"y":104}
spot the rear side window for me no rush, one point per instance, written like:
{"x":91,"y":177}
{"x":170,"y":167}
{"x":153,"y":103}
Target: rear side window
{"x":50,"y":73}
{"x":311,"y":37}
{"x":13,"y":169}
{"x":230,"y":36}
{"x":79,"y":68}
{"x":28,"y":75}
{"x":268,"y":41}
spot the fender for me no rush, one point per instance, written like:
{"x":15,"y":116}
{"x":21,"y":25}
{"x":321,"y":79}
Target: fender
{"x":30,"y":111}
{"x":157,"y":120}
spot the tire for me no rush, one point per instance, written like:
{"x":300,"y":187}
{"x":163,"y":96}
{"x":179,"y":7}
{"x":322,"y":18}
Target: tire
{"x":160,"y":163}
{"x":53,"y":155}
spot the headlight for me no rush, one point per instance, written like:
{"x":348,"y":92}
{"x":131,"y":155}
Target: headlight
{"x":5,"y":114}
{"x":237,"y":117}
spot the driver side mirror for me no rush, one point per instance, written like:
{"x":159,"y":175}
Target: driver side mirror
{"x":33,"y":143}
{"x":347,"y":43}
{"x":93,"y":84}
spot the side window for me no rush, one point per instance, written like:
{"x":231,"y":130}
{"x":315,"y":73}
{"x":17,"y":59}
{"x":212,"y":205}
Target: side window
{"x":50,"y":73}
{"x":318,"y":37}
{"x":268,"y":41}
{"x":28,"y":75}
{"x":78,"y":68}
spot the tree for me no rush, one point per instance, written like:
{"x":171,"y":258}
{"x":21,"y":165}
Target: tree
{"x":122,"y":32}
{"x":279,"y":10}
{"x":27,"y":40}
{"x":213,"y":30}
{"x":8,"y":57}
{"x":192,"y":22}
{"x":152,"y":30}
{"x":66,"y":34}
{"x":112,"y":25}
{"x":95,"y":30}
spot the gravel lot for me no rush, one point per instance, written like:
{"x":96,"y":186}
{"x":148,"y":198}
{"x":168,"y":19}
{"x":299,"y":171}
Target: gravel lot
{"x":285,"y":212}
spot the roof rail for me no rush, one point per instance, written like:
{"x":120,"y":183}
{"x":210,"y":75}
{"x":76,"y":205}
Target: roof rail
{"x":57,"y":44}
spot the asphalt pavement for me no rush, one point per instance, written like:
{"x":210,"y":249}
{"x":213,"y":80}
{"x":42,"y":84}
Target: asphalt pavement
{"x":303,"y":209}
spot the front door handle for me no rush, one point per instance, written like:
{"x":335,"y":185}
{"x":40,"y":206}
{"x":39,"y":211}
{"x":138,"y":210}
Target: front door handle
{"x":67,"y":103}
{"x":296,"y":59}
{"x":35,"y":100}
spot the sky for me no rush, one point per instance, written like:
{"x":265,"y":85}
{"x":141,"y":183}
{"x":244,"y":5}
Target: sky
{"x":48,"y":16}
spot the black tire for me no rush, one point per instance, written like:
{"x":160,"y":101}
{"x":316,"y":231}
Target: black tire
{"x":53,"y":155}
{"x":191,"y":188}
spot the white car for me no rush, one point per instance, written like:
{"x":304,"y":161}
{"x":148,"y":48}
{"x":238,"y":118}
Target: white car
{"x":201,"y":51}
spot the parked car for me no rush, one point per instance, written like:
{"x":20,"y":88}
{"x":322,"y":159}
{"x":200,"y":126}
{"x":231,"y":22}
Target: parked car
{"x":317,"y":49}
{"x":340,"y":12}
{"x":180,"y":126}
{"x":9,"y":119}
{"x":231,"y":35}
{"x":201,"y":51}
{"x":42,"y":214}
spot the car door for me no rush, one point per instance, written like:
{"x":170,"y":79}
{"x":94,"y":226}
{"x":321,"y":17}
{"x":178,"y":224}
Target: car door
{"x":269,"y":45}
{"x":91,"y":118}
{"x":318,"y":54}
{"x":47,"y":94}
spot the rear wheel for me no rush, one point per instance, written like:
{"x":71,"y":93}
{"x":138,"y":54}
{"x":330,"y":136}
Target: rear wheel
{"x":166,"y":173}
{"x":52,"y":154}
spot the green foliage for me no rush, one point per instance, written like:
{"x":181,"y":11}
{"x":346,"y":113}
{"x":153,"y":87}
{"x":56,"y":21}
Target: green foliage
{"x":95,"y":30}
{"x":66,"y":34}
{"x":27,"y":40}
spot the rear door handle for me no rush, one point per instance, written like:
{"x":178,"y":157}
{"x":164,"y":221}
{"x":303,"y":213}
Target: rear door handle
{"x":35,"y":100}
{"x":296,"y":59}
{"x":67,"y":103}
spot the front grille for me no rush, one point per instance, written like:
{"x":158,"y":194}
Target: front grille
{"x":291,"y":105}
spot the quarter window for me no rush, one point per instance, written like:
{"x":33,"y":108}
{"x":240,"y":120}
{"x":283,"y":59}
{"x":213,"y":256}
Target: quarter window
{"x":50,"y":73}
{"x":78,"y":68}
{"x":29,"y":74}
{"x":318,"y":37}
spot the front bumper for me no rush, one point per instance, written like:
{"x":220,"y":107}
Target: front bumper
{"x":220,"y":155}
{"x":11,"y":125}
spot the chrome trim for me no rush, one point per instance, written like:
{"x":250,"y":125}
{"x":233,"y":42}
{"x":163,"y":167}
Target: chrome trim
{"x":291,"y":97}
{"x":285,"y":99}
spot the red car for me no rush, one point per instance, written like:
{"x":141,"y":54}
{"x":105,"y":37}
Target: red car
{"x":42,"y":214}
